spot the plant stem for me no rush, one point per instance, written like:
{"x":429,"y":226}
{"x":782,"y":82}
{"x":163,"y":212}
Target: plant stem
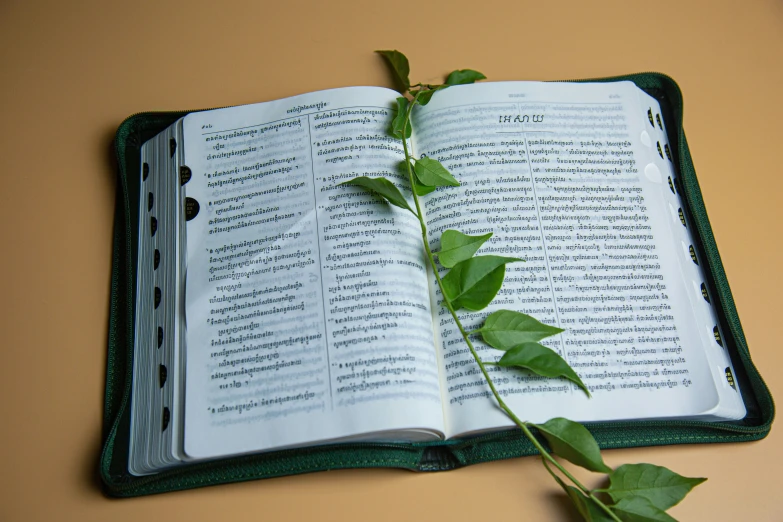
{"x":524,"y":426}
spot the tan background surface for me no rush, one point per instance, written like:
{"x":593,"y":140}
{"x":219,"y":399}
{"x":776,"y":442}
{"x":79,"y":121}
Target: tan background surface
{"x":70,"y":73}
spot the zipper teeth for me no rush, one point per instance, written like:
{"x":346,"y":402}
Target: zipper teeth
{"x":617,"y":78}
{"x":724,"y":293}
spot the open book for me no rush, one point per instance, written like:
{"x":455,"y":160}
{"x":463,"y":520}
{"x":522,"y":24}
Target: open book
{"x":277,"y":308}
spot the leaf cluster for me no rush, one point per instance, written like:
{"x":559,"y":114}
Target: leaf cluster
{"x":637,"y":492}
{"x":473,"y":282}
{"x":401,"y":70}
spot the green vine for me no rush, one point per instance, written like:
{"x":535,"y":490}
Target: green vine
{"x":636,"y":492}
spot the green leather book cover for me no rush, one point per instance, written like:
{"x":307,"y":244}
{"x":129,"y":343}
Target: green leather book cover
{"x":434,"y":456}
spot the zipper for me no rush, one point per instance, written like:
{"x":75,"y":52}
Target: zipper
{"x":618,"y":78}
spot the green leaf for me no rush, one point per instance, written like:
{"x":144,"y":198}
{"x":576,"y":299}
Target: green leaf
{"x":506,"y":329}
{"x":473,"y":283}
{"x":398,"y":123}
{"x":421,"y":190}
{"x":426,"y":95}
{"x":584,"y":504}
{"x":640,"y":509}
{"x":381,"y":187}
{"x":464,"y":76}
{"x":456,"y":246}
{"x":574,"y":443}
{"x":661,"y":486}
{"x":541,"y":360}
{"x":431,"y":173}
{"x":399,"y":64}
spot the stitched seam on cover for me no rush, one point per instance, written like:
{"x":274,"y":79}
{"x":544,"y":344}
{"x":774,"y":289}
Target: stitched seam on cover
{"x":399,"y":461}
{"x":690,"y":437}
{"x":300,"y":468}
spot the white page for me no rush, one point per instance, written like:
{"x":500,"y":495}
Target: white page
{"x":706,"y":320}
{"x":144,"y":338}
{"x":307,"y":304}
{"x":556,"y":171}
{"x":177,"y":375}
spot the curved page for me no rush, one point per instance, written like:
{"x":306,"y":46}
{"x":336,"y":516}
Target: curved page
{"x":307,"y":304}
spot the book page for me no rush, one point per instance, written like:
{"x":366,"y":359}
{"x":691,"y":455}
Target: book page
{"x":307,"y":303}
{"x":558,"y":173}
{"x":661,"y":169}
